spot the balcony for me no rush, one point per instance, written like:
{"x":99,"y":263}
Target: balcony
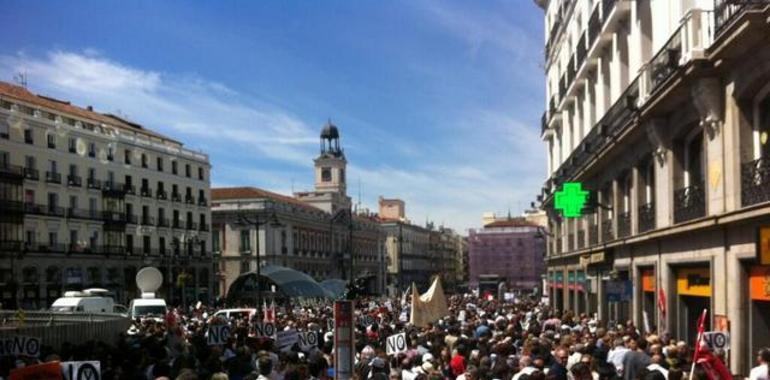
{"x":189,"y":199}
{"x":11,"y":171}
{"x":10,"y":245}
{"x":755,"y":182}
{"x":46,"y":248}
{"x":10,"y":206}
{"x":570,"y":242}
{"x":176,"y":197}
{"x":114,"y":217}
{"x":689,"y":203}
{"x":646,"y":217}
{"x":31,"y":174}
{"x":145,"y":192}
{"x":177,"y":224}
{"x":77,"y":213}
{"x":93,"y":183}
{"x":132,"y":219}
{"x":114,"y":250}
{"x":726,"y":11}
{"x":161,"y":194}
{"x":74,"y":181}
{"x":205,"y":227}
{"x":624,"y":224}
{"x":129,"y":189}
{"x":607,"y":234}
{"x":53,"y":177}
{"x":203,"y":202}
{"x":163,"y":222}
{"x":191,"y":226}
{"x":147,"y":220}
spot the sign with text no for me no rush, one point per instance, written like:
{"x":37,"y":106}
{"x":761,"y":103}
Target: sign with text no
{"x":218,"y":334}
{"x":717,"y":339}
{"x":396,"y":344}
{"x":264,"y":330}
{"x":20,"y":346}
{"x":89,"y":370}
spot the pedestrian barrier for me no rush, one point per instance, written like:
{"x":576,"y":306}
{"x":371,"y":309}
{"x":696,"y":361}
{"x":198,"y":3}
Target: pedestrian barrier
{"x":55,"y":328}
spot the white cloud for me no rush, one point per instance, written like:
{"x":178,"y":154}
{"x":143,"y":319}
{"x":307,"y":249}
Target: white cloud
{"x":189,"y":108}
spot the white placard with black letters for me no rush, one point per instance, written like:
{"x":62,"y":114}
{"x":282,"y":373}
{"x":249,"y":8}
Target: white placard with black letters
{"x":396,"y":344}
{"x":264,"y":330}
{"x":308,"y":340}
{"x":20,"y":346}
{"x":717,"y":339}
{"x":218,"y":334}
{"x":89,"y":370}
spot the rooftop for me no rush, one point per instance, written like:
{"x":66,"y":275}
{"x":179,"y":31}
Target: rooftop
{"x":19,"y":93}
{"x":511,"y":222}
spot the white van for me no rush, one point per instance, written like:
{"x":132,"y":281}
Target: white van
{"x":154,"y":308}
{"x":247,"y":314}
{"x":87,"y":301}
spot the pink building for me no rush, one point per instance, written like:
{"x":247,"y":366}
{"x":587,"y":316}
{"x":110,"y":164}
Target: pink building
{"x":512,"y":249}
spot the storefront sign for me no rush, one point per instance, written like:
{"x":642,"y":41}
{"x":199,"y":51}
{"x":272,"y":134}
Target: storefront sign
{"x":694,"y":282}
{"x":585,"y":261}
{"x":759,"y":283}
{"x":618,"y":290}
{"x":763,"y":249}
{"x":558,"y":280}
{"x":648,"y":280}
{"x":598,"y":257}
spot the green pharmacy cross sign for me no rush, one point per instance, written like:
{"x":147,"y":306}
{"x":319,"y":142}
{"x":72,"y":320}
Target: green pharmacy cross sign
{"x":571,"y":199}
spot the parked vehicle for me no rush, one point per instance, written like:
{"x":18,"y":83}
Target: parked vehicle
{"x":86,"y":301}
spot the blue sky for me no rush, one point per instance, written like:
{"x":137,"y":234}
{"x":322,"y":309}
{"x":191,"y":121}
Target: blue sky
{"x":438,"y":102}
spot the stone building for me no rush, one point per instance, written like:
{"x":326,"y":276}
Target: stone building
{"x":511,"y":250}
{"x":87,"y":199}
{"x":315,"y":232}
{"x":660,"y":110}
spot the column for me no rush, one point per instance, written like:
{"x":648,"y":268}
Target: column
{"x":616,"y":199}
{"x":706,"y":97}
{"x":736,"y":311}
{"x":633,"y":194}
{"x":663,"y":156}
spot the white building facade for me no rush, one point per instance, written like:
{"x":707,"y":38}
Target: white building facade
{"x":87,"y":199}
{"x":660,"y":109}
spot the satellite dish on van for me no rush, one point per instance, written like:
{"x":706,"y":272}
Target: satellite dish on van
{"x":148,"y":280}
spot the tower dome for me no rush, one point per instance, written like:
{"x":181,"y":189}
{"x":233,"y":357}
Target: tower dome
{"x":330,"y":131}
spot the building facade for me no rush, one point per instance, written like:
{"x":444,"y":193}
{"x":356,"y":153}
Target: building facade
{"x":445,"y":246}
{"x":87,"y":199}
{"x":315,"y":232}
{"x":511,"y":249}
{"x":660,"y":110}
{"x":408,"y":255}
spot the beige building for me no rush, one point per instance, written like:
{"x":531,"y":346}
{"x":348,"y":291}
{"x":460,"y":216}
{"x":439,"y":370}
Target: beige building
{"x":660,"y":110}
{"x":392,"y":209}
{"x":87,"y":199}
{"x":314,"y":233}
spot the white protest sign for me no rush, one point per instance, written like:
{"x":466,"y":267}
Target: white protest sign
{"x":330,"y":324}
{"x":307,"y":340}
{"x":717,"y":339}
{"x":285,"y":339}
{"x":20,"y":346}
{"x":461,"y":317}
{"x":218,"y":334}
{"x":89,"y":370}
{"x":264,"y":330}
{"x":396,"y":344}
{"x":646,"y":318}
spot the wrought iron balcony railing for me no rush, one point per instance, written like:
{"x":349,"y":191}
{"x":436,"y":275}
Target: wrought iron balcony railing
{"x":755,"y":182}
{"x":607,"y":234}
{"x":624,"y":224}
{"x":53,"y":177}
{"x":689,"y":203}
{"x":646,"y":217}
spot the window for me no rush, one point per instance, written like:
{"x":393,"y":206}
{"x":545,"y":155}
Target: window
{"x":74,"y":239}
{"x":342,"y":175}
{"x":200,"y":173}
{"x":29,"y":162}
{"x":146,"y":244}
{"x":159,"y":162}
{"x":53,"y":201}
{"x":127,"y":157}
{"x":693,"y":175}
{"x":174,"y":167}
{"x":215,"y":241}
{"x":53,"y":238}
{"x":129,"y":180}
{"x":110,"y":153}
{"x":92,"y":205}
{"x":326,"y":174}
{"x":51,"y":141}
{"x":162,"y":245}
{"x":130,"y":243}
{"x":72,"y":145}
{"x":187,"y":170}
{"x":52,"y":166}
{"x":91,"y":149}
{"x":73,"y":201}
{"x":762,"y":125}
{"x":144,"y":160}
{"x":28,"y":136}
{"x":4,"y":132}
{"x":245,"y":241}
{"x":244,"y":266}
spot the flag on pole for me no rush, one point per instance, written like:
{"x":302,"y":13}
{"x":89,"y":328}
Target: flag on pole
{"x":428,"y":307}
{"x":269,"y":312}
{"x":703,"y":356}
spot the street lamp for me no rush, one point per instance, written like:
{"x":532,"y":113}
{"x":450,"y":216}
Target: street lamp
{"x":272,"y":221}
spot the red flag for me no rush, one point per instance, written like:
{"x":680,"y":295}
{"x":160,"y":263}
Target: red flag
{"x":703,"y":356}
{"x":662,"y":302}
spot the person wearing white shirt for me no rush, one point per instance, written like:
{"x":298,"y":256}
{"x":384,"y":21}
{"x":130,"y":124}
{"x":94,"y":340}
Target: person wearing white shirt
{"x":761,"y":372}
{"x":525,"y":363}
{"x":616,"y":355}
{"x":655,"y":366}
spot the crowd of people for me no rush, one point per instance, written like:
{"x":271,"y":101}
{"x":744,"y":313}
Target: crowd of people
{"x":480,"y":339}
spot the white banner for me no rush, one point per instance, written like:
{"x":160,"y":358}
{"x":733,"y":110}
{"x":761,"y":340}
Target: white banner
{"x":285,"y":339}
{"x":307,"y":340}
